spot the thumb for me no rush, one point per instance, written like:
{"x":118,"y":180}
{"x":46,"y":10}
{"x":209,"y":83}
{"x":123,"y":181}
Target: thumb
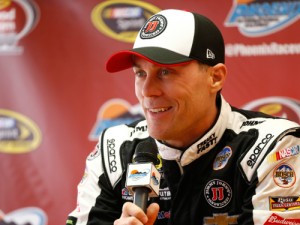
{"x":152,"y":212}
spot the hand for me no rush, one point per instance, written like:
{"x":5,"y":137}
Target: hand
{"x":134,"y":215}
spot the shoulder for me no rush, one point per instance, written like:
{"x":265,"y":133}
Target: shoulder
{"x":137,"y":129}
{"x":116,"y":145}
{"x":269,"y":131}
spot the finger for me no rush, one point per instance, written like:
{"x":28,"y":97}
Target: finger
{"x":152,"y":212}
{"x":132,"y":210}
{"x":128,"y":221}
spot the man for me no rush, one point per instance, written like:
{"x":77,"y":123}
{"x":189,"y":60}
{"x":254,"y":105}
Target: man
{"x":219,"y":164}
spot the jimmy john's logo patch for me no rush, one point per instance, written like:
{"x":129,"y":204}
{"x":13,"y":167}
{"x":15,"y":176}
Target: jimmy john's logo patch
{"x":284,"y":203}
{"x":284,"y":175}
{"x":217,"y":193}
{"x":154,"y":27}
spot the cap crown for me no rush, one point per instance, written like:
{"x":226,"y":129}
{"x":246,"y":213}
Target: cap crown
{"x":189,"y":34}
{"x":170,"y":29}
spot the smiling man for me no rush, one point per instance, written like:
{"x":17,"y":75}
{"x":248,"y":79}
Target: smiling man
{"x":218,"y":163}
{"x":171,"y":94}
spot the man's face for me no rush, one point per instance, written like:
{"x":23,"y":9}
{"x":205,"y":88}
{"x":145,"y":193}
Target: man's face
{"x":178,"y":102}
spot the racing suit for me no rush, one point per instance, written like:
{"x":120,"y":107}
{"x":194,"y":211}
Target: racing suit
{"x":244,"y":170}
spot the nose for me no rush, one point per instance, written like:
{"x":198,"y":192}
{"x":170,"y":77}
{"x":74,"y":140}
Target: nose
{"x":151,"y":86}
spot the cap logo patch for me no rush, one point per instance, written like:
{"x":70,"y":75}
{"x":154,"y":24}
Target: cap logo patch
{"x":154,"y":27}
{"x":210,"y":54}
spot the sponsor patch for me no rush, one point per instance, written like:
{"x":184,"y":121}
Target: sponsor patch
{"x":284,"y":175}
{"x":154,"y":27}
{"x":164,"y":194}
{"x":222,"y":158}
{"x":164,"y":215}
{"x":71,"y":220}
{"x":94,"y":154}
{"x":258,"y":149}
{"x":275,"y":219}
{"x":284,"y":203}
{"x":138,"y":129}
{"x":217,"y":193}
{"x":284,"y":153}
{"x":251,"y":123}
{"x":112,"y":155}
{"x":220,"y":218}
{"x":211,"y":140}
{"x":126,"y":195}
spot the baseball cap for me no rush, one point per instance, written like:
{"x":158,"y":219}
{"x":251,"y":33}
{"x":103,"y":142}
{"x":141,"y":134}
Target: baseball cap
{"x":173,"y":37}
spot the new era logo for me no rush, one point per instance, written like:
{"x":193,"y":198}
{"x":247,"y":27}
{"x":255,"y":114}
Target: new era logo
{"x":210,"y":54}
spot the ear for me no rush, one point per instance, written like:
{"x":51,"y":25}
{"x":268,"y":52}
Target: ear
{"x":218,"y":75}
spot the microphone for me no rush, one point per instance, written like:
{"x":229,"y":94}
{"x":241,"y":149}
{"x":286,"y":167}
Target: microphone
{"x":143,"y":179}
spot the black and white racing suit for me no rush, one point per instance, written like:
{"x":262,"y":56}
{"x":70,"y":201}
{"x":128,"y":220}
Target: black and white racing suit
{"x":244,"y":170}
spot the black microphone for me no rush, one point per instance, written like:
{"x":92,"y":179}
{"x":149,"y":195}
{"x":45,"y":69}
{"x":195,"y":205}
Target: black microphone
{"x":143,"y":179}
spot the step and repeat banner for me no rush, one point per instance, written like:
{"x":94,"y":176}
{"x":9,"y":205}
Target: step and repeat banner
{"x":56,"y":97}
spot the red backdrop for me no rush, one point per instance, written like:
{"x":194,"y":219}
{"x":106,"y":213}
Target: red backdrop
{"x":56,"y":97}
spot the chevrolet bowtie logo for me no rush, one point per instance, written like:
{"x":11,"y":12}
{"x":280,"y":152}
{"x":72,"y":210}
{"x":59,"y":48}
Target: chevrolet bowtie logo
{"x":220,"y":219}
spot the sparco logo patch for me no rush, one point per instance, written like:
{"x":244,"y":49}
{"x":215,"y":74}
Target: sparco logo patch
{"x":154,"y":27}
{"x":284,"y":176}
{"x":217,"y":193}
{"x":258,"y":149}
{"x":111,"y":155}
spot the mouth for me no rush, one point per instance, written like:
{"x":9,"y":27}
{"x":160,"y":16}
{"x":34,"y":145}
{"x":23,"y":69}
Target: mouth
{"x":159,"y":110}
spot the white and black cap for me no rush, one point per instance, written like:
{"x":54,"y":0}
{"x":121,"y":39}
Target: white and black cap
{"x":173,"y":37}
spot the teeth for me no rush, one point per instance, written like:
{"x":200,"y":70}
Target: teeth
{"x":158,"y":110}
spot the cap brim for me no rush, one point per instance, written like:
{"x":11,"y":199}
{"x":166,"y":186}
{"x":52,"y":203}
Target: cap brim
{"x":162,"y":57}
